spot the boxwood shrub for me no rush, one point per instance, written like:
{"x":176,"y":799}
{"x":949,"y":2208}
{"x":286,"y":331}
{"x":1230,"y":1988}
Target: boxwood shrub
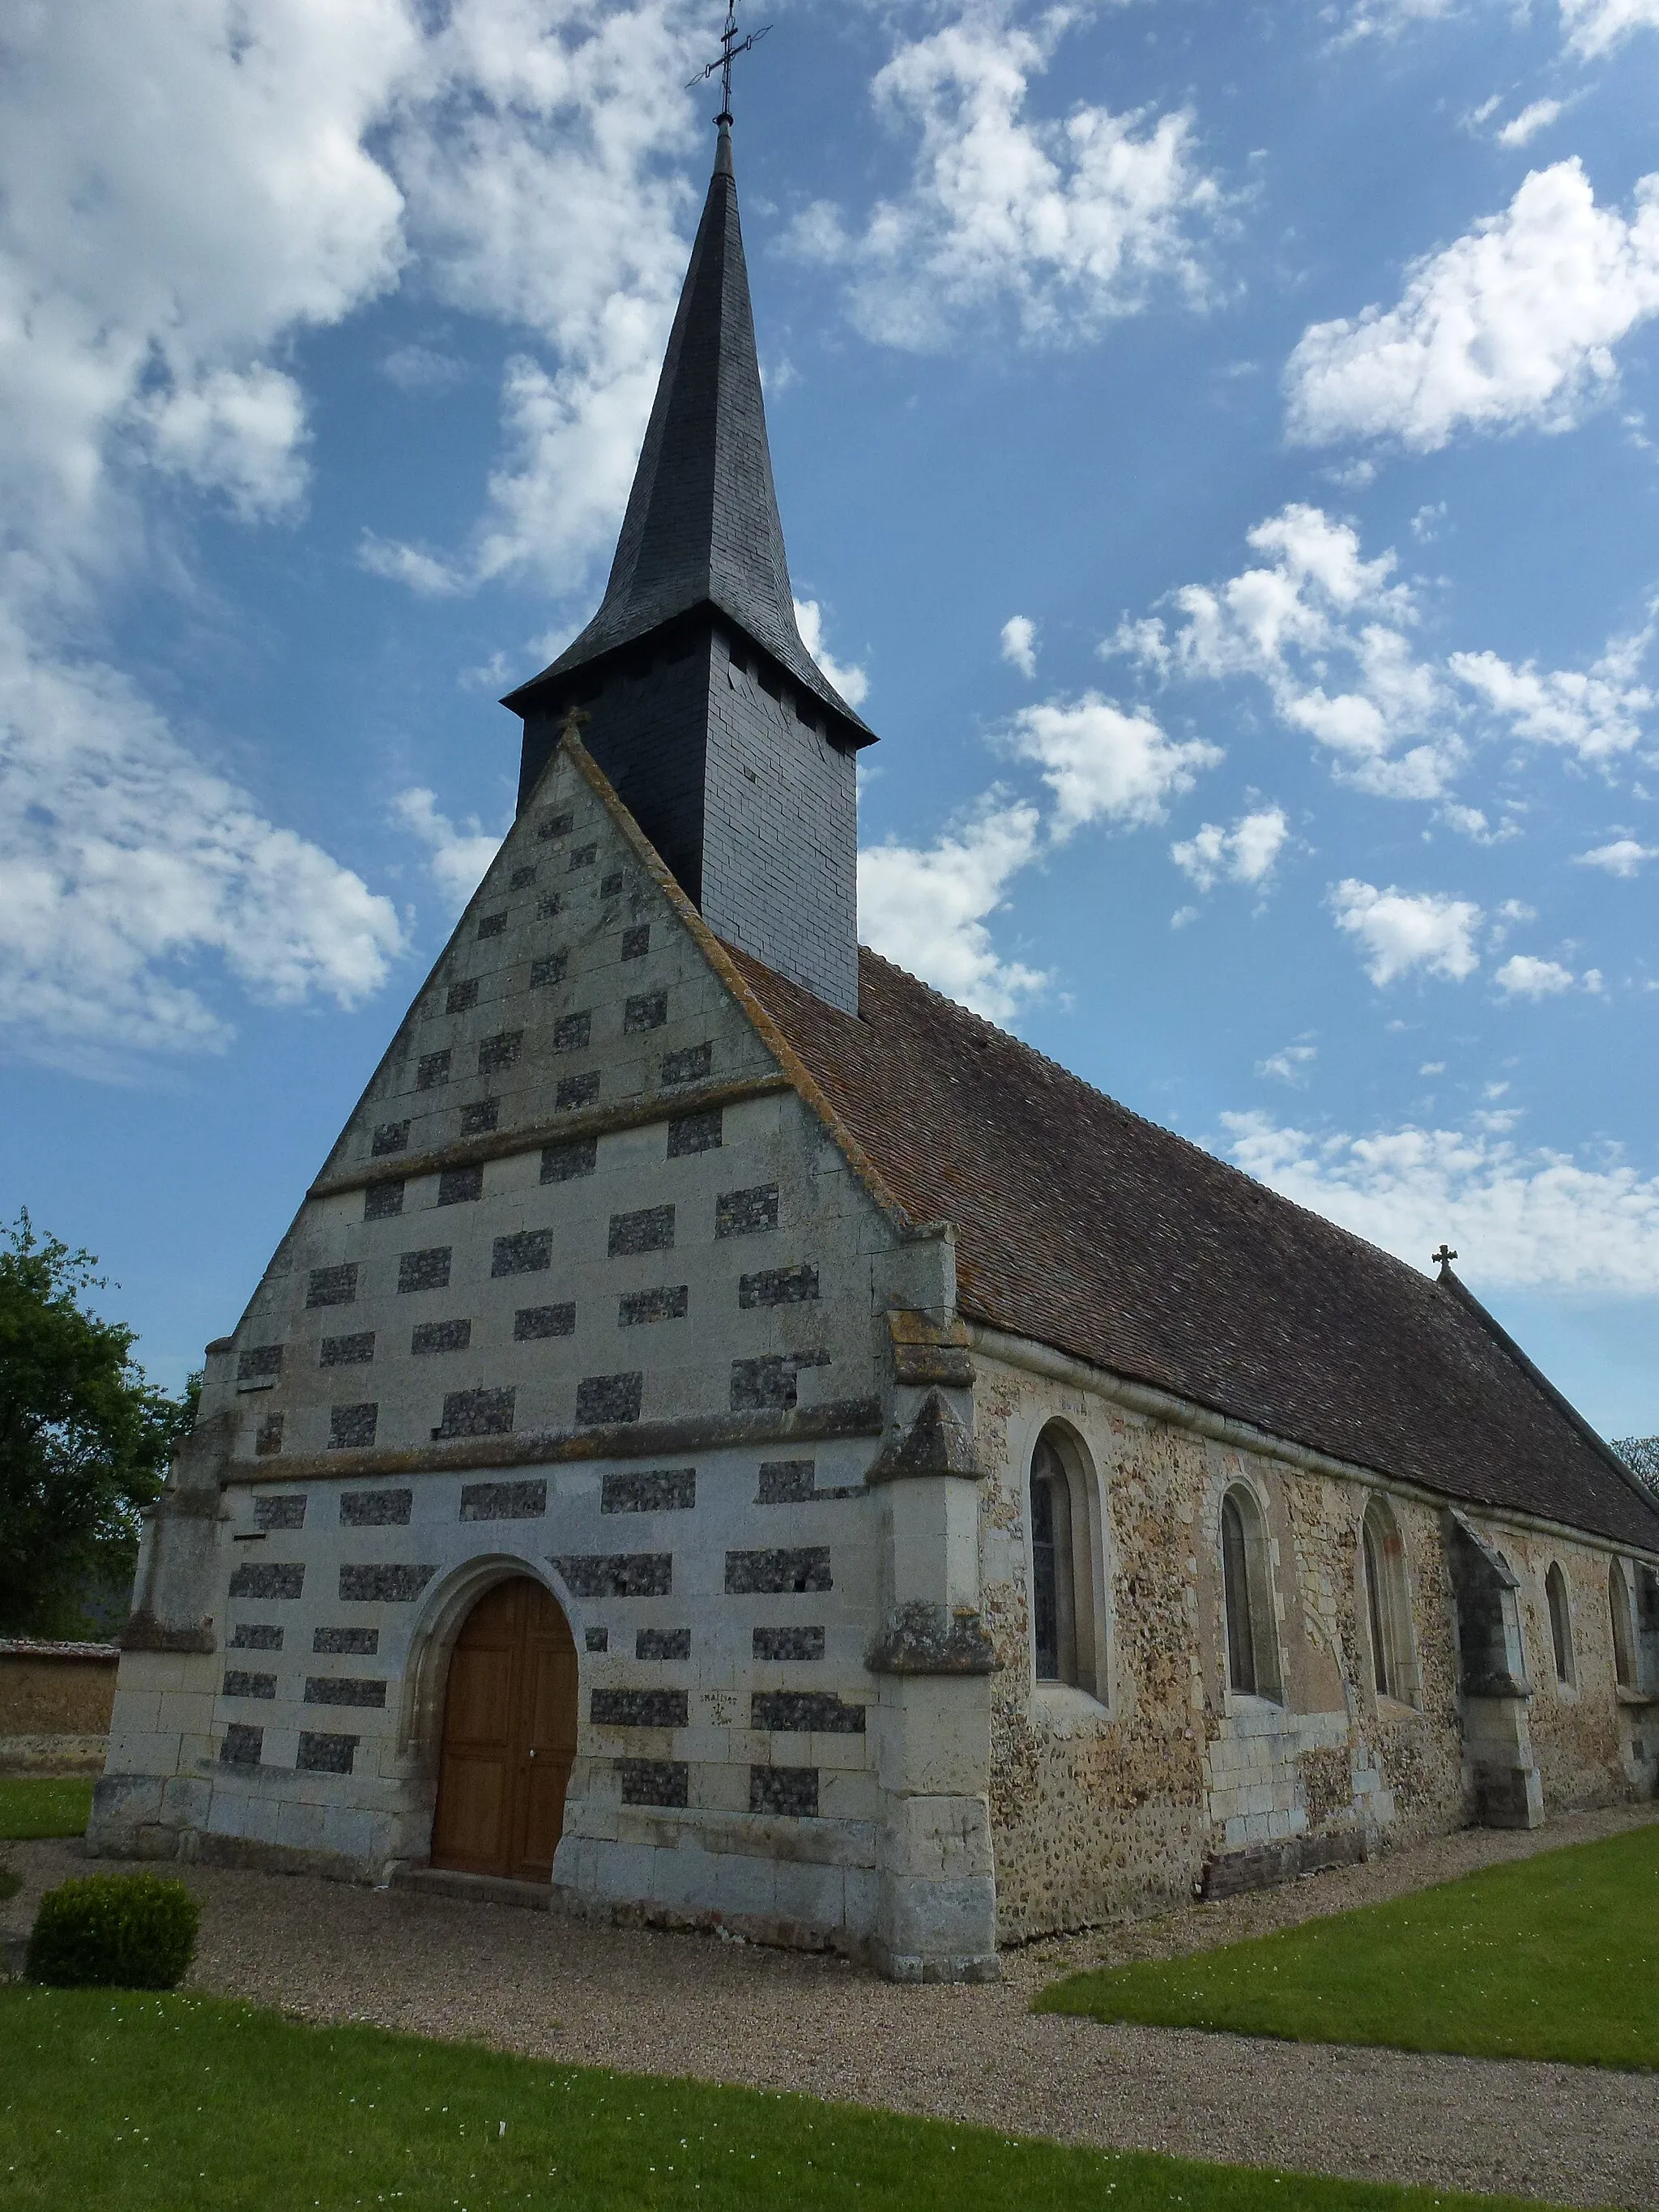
{"x":131,"y":1931}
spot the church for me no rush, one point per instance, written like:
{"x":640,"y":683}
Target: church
{"x":731,"y":1438}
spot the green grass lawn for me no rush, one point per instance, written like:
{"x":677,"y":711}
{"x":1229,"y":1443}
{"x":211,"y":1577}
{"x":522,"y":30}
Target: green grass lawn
{"x":29,"y":1807}
{"x":113,"y":2102}
{"x":1553,"y":1957}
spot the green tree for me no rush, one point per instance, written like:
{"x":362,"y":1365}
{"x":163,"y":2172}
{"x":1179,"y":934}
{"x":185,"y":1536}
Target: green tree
{"x":1641,"y":1456}
{"x":84,"y":1439}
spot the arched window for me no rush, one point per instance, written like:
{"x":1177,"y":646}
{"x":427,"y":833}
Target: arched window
{"x":1387,"y":1605}
{"x":1555,"y":1590}
{"x":1624,"y":1658}
{"x":1247,"y":1591}
{"x":1068,"y":1582}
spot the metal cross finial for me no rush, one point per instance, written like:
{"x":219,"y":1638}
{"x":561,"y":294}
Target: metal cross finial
{"x":1445,"y":1255}
{"x":731,"y":47}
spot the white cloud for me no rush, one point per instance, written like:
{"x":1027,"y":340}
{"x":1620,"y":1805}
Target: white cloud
{"x":848,"y":679}
{"x":1535,"y":1219}
{"x":1402,"y":931}
{"x":1524,"y":977}
{"x":1513,"y":323}
{"x":457,"y":857}
{"x":1329,"y":633}
{"x":1019,"y":644}
{"x":926,"y":907}
{"x":1103,"y":764}
{"x":126,"y":864}
{"x":421,"y":370}
{"x":1291,"y":1064}
{"x":1246,"y":854}
{"x":1596,"y":714}
{"x":1533,"y":118}
{"x":186,"y":191}
{"x":1623,"y":857}
{"x":1595,"y":25}
{"x":1066,"y":223}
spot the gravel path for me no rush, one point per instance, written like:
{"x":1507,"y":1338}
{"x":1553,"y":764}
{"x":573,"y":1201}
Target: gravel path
{"x":730,"y":2012}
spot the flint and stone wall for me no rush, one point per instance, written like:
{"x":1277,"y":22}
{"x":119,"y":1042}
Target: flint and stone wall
{"x":1166,"y":1783}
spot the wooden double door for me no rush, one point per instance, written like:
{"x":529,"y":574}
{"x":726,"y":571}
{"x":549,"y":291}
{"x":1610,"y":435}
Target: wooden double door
{"x":509,"y":1736}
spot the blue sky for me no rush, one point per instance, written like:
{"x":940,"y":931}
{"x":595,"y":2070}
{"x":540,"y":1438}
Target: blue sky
{"x":1220,"y":440}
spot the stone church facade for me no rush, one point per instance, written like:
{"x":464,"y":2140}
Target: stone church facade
{"x":731,"y":1438}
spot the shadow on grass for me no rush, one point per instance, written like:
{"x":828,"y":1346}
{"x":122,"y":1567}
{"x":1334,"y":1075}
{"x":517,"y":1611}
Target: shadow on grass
{"x":31,"y":1808}
{"x":169,"y":2104}
{"x":1555,"y":1957}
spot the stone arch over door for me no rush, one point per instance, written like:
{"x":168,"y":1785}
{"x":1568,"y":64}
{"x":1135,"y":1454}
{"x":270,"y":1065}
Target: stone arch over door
{"x":508,"y":1734}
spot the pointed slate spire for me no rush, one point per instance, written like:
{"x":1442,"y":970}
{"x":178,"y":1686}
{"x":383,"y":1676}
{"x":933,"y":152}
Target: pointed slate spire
{"x":694,"y":693}
{"x":701,"y":528}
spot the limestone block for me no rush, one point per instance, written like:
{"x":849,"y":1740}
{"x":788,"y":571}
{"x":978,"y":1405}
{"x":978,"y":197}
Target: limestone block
{"x":933,"y":1734}
{"x":939,"y":1838}
{"x":813,"y":1896}
{"x":931,"y":1930}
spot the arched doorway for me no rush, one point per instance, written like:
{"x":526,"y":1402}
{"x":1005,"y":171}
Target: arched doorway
{"x":509,"y":1736}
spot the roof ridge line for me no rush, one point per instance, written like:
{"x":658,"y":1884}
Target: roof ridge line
{"x":1159,"y":1128}
{"x":1535,"y":1374}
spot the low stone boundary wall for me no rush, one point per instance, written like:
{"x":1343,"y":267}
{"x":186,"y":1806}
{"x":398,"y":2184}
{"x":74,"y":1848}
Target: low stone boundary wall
{"x":55,"y":1704}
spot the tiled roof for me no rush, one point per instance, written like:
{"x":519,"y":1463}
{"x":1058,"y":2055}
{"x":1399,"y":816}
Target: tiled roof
{"x":1083,"y":1227}
{"x":702,"y":524}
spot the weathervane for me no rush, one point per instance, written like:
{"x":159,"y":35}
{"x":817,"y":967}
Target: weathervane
{"x":731,"y":47}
